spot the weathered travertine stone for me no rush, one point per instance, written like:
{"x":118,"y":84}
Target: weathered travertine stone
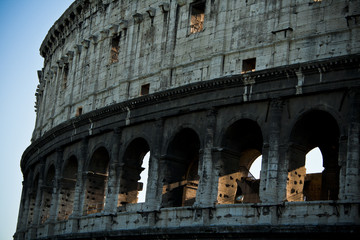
{"x":204,"y":88}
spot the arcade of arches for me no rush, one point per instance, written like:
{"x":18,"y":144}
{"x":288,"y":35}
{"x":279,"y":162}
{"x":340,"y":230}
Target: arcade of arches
{"x":85,"y":185}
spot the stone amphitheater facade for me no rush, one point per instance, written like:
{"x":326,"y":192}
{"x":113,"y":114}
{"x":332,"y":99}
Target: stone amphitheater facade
{"x":205,"y":87}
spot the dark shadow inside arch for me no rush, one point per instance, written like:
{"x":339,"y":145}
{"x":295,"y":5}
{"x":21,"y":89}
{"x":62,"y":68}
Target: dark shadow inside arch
{"x":32,"y":199}
{"x":47,"y":191}
{"x":181,"y":177}
{"x":314,"y":129}
{"x":67,"y":188}
{"x":130,"y":174}
{"x":96,"y":181}
{"x":241,"y":146}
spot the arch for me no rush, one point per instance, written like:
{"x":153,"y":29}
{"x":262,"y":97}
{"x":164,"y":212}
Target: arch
{"x":329,"y":110}
{"x":32,"y":198}
{"x":67,"y":188}
{"x":178,"y":129}
{"x":96,"y":182}
{"x":315,"y":128}
{"x":99,"y":161}
{"x":47,"y":192}
{"x":132,"y":168}
{"x":181,"y":177}
{"x":241,"y":145}
{"x":231,"y":120}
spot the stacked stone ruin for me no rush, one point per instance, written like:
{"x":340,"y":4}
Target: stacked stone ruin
{"x":204,"y":88}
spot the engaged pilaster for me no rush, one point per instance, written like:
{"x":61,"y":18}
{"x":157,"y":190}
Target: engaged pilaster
{"x":205,"y":196}
{"x":269,"y":192}
{"x":114,"y":175}
{"x":352,"y":179}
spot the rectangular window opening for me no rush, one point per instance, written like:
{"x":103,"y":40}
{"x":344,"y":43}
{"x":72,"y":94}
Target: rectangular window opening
{"x":197,"y":11}
{"x":248,"y":65}
{"x":115,"y":48}
{"x":65,"y":75}
{"x":79,"y":111}
{"x":145,"y":89}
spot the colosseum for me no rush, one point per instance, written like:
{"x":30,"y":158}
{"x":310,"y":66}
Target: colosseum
{"x":174,"y":100}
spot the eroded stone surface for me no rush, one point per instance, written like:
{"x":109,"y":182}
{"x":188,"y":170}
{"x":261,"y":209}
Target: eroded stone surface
{"x":206,"y":87}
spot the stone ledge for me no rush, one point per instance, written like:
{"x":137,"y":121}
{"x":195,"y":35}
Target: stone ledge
{"x":228,"y":82}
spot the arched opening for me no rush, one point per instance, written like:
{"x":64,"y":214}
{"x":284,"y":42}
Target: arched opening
{"x":144,"y":177}
{"x":47,"y":194}
{"x":32,"y":199}
{"x":181,"y":170}
{"x":316,"y":129}
{"x":130,"y":182}
{"x":96,"y":181}
{"x":314,"y":161}
{"x":242,"y":145}
{"x":67,"y":188}
{"x":314,"y":169}
{"x":256,"y":167}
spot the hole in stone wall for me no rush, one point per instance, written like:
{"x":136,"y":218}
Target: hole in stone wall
{"x":79,"y":111}
{"x":134,"y":173}
{"x":32,"y":199}
{"x":242,"y":146}
{"x":115,"y":48}
{"x":144,"y":177}
{"x":318,"y":131}
{"x":47,"y":194}
{"x":67,"y":188}
{"x":248,"y":65}
{"x":65,"y":76}
{"x":313,"y":177}
{"x":96,"y":181}
{"x":197,"y":12}
{"x":314,"y":161}
{"x":256,"y":167}
{"x":181,"y":170}
{"x":145,"y":89}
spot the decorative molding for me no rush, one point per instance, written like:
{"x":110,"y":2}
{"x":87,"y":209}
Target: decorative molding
{"x":164,"y":7}
{"x":267,"y":75}
{"x":181,"y":2}
{"x":151,"y":11}
{"x":138,"y":17}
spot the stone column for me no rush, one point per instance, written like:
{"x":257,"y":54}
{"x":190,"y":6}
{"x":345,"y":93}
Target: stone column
{"x":342,"y":161}
{"x":36,"y":215}
{"x":79,"y":187}
{"x":23,"y":211}
{"x":270,"y":190}
{"x":56,"y":94}
{"x":28,"y":184}
{"x":114,"y":176}
{"x":204,"y":194}
{"x":352,"y":179}
{"x":55,"y":192}
{"x":217,"y":164}
{"x":154,"y":187}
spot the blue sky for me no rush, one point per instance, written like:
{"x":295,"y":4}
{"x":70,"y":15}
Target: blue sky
{"x":23,"y":26}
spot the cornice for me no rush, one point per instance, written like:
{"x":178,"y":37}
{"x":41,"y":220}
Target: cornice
{"x":257,"y":77}
{"x":71,"y":18}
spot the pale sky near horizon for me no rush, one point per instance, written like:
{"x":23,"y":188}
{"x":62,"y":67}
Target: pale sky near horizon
{"x":23,"y":26}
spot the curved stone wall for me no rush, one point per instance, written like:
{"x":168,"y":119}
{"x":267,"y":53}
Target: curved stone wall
{"x":82,"y":177}
{"x":102,"y":52}
{"x":204,"y":87}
